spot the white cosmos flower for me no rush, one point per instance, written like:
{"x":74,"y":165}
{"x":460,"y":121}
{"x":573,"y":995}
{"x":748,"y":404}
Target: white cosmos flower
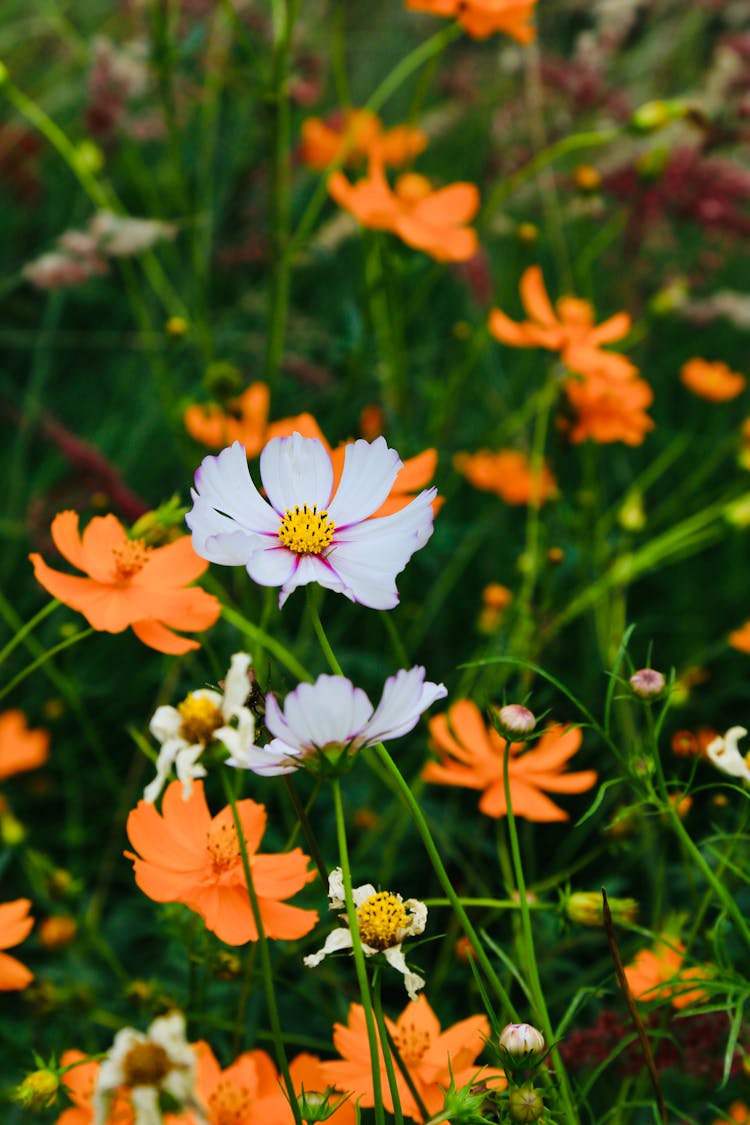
{"x":333,"y":716}
{"x":203,"y":717}
{"x":148,"y":1063}
{"x":305,"y":532}
{"x":384,"y":919}
{"x":726,"y":756}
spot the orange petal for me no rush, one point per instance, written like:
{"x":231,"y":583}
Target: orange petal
{"x":535,"y":299}
{"x":15,"y":922}
{"x":280,"y":876}
{"x":509,"y":331}
{"x":449,"y":206}
{"x":103,"y":535}
{"x":66,"y":537}
{"x":156,"y":636}
{"x":175,"y":564}
{"x":13,"y":975}
{"x":285,"y":922}
{"x":527,"y":802}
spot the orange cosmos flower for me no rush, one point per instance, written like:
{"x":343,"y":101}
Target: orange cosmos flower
{"x":737,"y":1112}
{"x":568,"y":328}
{"x":471,"y":755}
{"x":129,"y":583}
{"x":712,"y":380}
{"x":20,"y":748}
{"x":243,"y":419}
{"x":481,"y":18}
{"x":609,"y":409}
{"x":740,"y":638}
{"x":15,"y":925}
{"x":355,"y":134}
{"x":432,"y":221}
{"x":655,"y":974}
{"x":251,"y":1089}
{"x":507,"y":472}
{"x":186,"y":855}
{"x":433,"y":1058}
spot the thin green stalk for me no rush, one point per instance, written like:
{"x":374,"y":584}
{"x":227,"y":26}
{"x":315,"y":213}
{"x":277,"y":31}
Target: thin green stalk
{"x":41,"y":660}
{"x":399,"y":649}
{"x":255,"y":633}
{"x":359,"y":957}
{"x":320,"y":633}
{"x":265,"y":956}
{"x":531,"y":964}
{"x":404,"y":791}
{"x":304,"y":821}
{"x":28,"y":628}
{"x":283,"y":13}
{"x":239,"y":1020}
{"x":390,"y":1071}
{"x":389,"y":367}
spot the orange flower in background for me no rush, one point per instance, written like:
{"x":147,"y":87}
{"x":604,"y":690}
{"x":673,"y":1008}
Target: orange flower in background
{"x":20,"y":748}
{"x":15,"y":925}
{"x":507,"y":472}
{"x":355,"y":134}
{"x":685,"y":744}
{"x":712,"y":380}
{"x":129,"y":584}
{"x":609,"y":409}
{"x":568,"y":328}
{"x":431,"y":221}
{"x":656,"y":974}
{"x":432,"y":1057}
{"x":186,"y":855}
{"x":244,"y":419}
{"x":737,"y":1112}
{"x":481,"y":18}
{"x":740,"y":638}
{"x":471,"y":755}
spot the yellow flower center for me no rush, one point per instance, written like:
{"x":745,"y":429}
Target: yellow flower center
{"x":146,"y":1064}
{"x":381,"y":918}
{"x":224,"y":846}
{"x":200,"y":718}
{"x":412,"y":1041}
{"x":411,"y":187}
{"x":306,"y":531}
{"x":230,"y":1104}
{"x":129,"y":558}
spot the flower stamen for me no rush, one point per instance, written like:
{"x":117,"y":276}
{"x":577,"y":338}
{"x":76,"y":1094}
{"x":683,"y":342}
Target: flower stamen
{"x":305,"y":530}
{"x":223,"y":845}
{"x":382,"y":919}
{"x":129,"y":558}
{"x":146,"y":1064}
{"x":200,"y":718}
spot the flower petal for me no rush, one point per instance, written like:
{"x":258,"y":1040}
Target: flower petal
{"x":225,"y":483}
{"x":370,"y":469}
{"x":296,"y":470}
{"x":405,"y":696}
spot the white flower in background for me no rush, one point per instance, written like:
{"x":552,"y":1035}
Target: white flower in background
{"x":332,"y":718}
{"x":147,"y":1064}
{"x":120,"y":235}
{"x":205,"y":716}
{"x":725,"y":754}
{"x":306,"y":531}
{"x":384,"y":919}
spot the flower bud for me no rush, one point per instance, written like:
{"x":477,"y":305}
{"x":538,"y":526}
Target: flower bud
{"x":57,"y":931}
{"x":647,"y":683}
{"x":654,"y":115}
{"x":222,"y":379}
{"x":525,"y":1104}
{"x":176,"y":326}
{"x":315,"y":1106}
{"x":519,"y":1040}
{"x":585,"y":907}
{"x":515,"y":720}
{"x":38,"y":1090}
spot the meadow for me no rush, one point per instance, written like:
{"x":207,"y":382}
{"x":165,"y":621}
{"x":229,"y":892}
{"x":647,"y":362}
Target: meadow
{"x":374,"y":625}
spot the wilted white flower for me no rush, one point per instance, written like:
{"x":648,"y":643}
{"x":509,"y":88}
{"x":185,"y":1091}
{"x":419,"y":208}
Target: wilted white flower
{"x":205,"y":716}
{"x":725,"y":754}
{"x":333,"y":719}
{"x":384,"y":919}
{"x":159,"y":1060}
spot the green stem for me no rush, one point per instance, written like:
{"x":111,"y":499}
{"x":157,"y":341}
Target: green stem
{"x":404,"y":791}
{"x":531,"y":963}
{"x":265,"y":956}
{"x":255,"y":633}
{"x":320,"y":633}
{"x":359,"y":957}
{"x":390,"y":1071}
{"x":43,"y":660}
{"x":24,"y":631}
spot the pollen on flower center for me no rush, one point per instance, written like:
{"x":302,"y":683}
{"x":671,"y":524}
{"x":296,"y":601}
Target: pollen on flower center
{"x":224,"y":846}
{"x":129,"y":558}
{"x":381,"y":918}
{"x":305,"y":530}
{"x":230,"y":1104}
{"x":412,"y":1042}
{"x":411,"y":187}
{"x":145,"y":1064}
{"x":200,"y":718}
